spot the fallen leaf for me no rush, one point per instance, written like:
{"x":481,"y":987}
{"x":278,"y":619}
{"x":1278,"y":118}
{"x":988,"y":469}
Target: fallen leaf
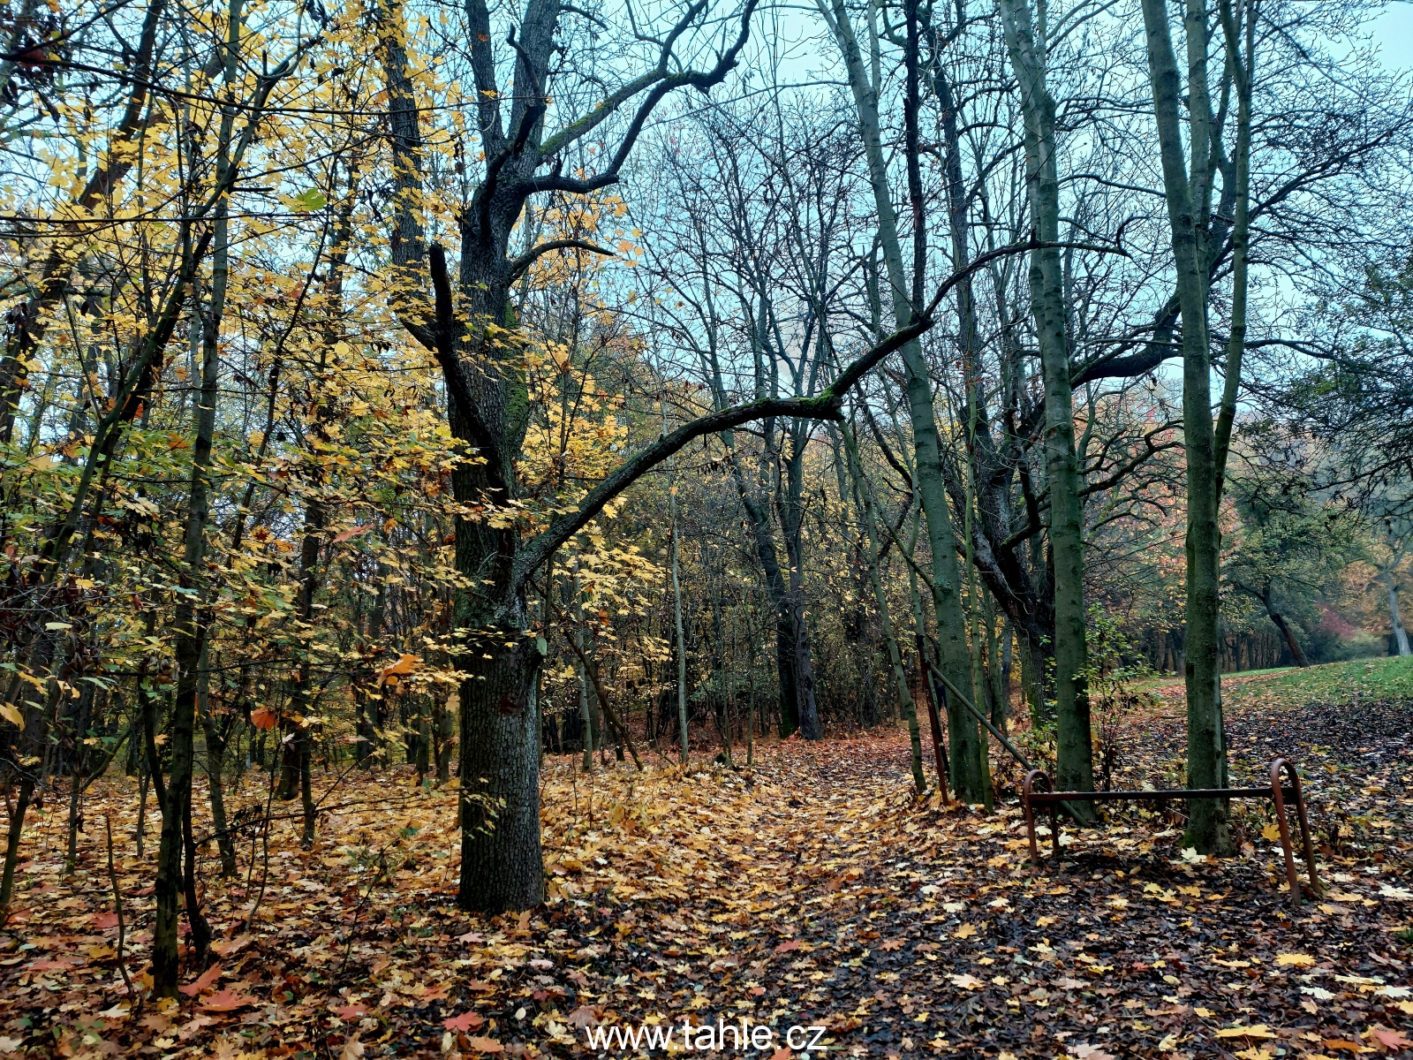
{"x":226,"y":1001}
{"x":1260,"y":1030}
{"x":467,"y":1021}
{"x":1391,"y":1039}
{"x":205,"y":980}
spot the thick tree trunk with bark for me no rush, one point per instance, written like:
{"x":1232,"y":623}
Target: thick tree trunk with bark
{"x":499,"y":761}
{"x":501,"y":864}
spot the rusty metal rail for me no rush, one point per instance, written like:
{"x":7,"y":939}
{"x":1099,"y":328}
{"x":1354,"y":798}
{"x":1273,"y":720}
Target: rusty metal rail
{"x":1038,"y":791}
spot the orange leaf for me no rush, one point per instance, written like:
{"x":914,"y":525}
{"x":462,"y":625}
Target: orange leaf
{"x":404,"y":665}
{"x":467,"y":1021}
{"x":1391,"y":1039}
{"x":46,"y":964}
{"x":226,"y":1001}
{"x":1344,"y":1045}
{"x":207,"y":979}
{"x":263,"y":718}
{"x":485,"y":1045}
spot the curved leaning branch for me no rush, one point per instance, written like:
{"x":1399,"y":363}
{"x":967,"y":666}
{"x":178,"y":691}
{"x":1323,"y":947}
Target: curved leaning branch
{"x":525,"y":260}
{"x":826,"y":406}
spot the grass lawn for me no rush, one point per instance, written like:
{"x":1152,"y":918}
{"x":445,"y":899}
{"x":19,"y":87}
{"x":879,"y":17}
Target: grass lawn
{"x":1345,"y":682}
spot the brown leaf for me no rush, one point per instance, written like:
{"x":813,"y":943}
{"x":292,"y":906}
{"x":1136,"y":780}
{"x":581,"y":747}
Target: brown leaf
{"x":583,"y":1017}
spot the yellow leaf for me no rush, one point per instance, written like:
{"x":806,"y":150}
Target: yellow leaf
{"x":1295,"y":960}
{"x":13,"y":716}
{"x":1260,"y":1030}
{"x":404,"y":665}
{"x":1271,"y":832}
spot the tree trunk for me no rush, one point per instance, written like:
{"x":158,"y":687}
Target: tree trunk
{"x":791,"y":512}
{"x":500,"y":770}
{"x":176,"y":868}
{"x":370,"y":703}
{"x":793,"y":657}
{"x":678,"y":625}
{"x":12,"y":843}
{"x":215,"y":778}
{"x":969,"y":767}
{"x":999,"y":650}
{"x":1400,"y":633}
{"x":1074,"y":764}
{"x":588,"y":723}
{"x":443,"y":736}
{"x":1297,"y":653}
{"x":907,"y":706}
{"x":1208,"y":828}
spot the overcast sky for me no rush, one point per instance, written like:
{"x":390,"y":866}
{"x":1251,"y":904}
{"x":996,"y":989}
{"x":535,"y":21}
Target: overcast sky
{"x":1394,"y":32}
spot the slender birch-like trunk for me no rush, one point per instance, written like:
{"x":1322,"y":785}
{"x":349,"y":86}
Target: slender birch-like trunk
{"x":1208,"y":827}
{"x":1074,"y":765}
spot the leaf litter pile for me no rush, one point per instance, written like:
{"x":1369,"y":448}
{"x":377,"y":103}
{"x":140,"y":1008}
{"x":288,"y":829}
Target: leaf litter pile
{"x":812,"y":889}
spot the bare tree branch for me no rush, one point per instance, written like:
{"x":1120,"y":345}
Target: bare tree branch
{"x":525,"y":260}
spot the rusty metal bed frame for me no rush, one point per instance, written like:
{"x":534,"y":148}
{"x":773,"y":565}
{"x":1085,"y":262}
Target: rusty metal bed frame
{"x":1038,"y":791}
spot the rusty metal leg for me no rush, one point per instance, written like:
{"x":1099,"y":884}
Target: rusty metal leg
{"x":934,"y":720}
{"x":1307,"y":847}
{"x":1278,"y":796}
{"x":1026,"y":790}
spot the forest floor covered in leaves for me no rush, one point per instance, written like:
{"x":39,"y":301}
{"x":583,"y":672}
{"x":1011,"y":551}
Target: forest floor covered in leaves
{"x":809,"y":890}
